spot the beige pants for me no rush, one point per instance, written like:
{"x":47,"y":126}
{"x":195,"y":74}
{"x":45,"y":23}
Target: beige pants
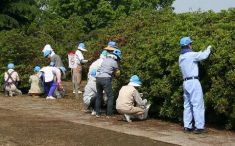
{"x":12,"y":90}
{"x":77,"y":77}
{"x":132,"y":111}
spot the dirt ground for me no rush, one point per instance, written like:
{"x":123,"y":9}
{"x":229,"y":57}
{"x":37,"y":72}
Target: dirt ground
{"x":23,"y":129}
{"x":33,"y":121}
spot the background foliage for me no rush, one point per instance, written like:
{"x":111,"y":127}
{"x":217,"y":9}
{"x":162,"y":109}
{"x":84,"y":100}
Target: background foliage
{"x":148,"y":35}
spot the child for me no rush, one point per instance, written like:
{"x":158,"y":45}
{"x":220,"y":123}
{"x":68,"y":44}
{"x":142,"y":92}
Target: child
{"x":51,"y":79}
{"x":36,"y":88}
{"x":11,"y":79}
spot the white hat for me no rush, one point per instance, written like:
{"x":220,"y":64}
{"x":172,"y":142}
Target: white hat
{"x":47,"y":47}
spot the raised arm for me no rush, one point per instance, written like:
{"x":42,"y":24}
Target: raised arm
{"x":198,"y":56}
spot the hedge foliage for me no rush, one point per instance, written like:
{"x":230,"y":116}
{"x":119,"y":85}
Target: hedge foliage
{"x":150,"y":44}
{"x":149,"y":41}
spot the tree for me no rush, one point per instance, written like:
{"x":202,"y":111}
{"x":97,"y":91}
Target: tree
{"x":99,"y":13}
{"x":14,"y":13}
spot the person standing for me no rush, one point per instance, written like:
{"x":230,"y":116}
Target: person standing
{"x":193,"y":95}
{"x":104,"y":76}
{"x":90,"y":91}
{"x":77,"y":72}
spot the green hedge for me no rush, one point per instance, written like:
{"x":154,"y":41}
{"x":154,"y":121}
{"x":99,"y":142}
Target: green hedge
{"x":149,"y":41}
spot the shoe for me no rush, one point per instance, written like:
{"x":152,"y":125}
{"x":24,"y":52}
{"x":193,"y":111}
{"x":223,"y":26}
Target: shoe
{"x":19,"y":93}
{"x":11,"y":94}
{"x":93,"y":113}
{"x":58,"y":96}
{"x":128,"y":118}
{"x":50,"y":97}
{"x":188,"y":130}
{"x":79,"y":92}
{"x":97,"y":116}
{"x":199,"y":131}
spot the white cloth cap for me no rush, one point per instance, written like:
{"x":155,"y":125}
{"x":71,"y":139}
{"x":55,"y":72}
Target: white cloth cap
{"x":47,"y":47}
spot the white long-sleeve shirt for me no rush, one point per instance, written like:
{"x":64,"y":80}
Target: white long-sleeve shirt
{"x":79,"y":56}
{"x":188,"y":62}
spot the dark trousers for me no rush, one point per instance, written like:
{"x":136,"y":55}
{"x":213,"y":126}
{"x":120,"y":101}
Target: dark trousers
{"x":106,"y":85}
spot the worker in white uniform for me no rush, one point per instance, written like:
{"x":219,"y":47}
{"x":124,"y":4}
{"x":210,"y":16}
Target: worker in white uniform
{"x":193,"y":95}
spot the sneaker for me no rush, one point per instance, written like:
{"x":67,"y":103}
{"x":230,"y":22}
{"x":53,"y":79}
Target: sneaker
{"x":59,"y":96}
{"x":128,"y":118}
{"x":50,"y":97}
{"x":93,"y":113}
{"x":188,"y":130}
{"x":11,"y":94}
{"x":199,"y":131}
{"x":79,"y":92}
{"x":97,"y":116}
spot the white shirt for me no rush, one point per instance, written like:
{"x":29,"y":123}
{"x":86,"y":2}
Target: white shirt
{"x":79,"y":56}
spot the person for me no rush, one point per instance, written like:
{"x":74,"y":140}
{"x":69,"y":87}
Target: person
{"x":111,"y":46}
{"x":90,"y":90}
{"x":51,"y":77}
{"x":193,"y":95}
{"x":130,"y":103}
{"x":48,"y":52}
{"x":11,"y":79}
{"x":77,"y":72}
{"x":97,"y":63}
{"x":104,"y":76}
{"x":36,"y":88}
{"x":59,"y":91}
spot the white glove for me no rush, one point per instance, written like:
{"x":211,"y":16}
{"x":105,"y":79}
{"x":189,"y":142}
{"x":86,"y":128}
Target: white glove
{"x":84,"y":61}
{"x":145,"y":101}
{"x":209,"y":47}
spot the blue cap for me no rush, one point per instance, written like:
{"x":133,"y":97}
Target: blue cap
{"x":112,"y":44}
{"x":136,"y":80}
{"x":10,"y":66}
{"x":117,"y":53}
{"x":46,"y":53}
{"x":185,"y":41}
{"x":104,"y":53}
{"x":82,"y":47}
{"x":37,"y":68}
